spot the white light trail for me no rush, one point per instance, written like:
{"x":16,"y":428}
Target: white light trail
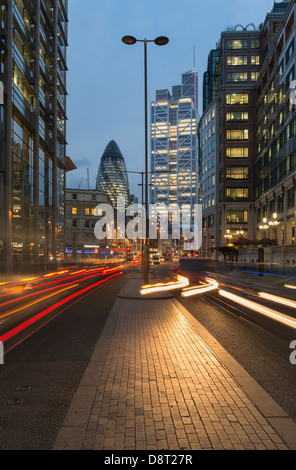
{"x":198,"y":290}
{"x":280,"y":317}
{"x":161,"y":287}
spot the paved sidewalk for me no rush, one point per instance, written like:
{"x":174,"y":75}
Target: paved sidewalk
{"x":158,"y":381}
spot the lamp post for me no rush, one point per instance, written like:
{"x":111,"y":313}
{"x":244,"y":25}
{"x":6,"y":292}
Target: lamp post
{"x":159,"y":41}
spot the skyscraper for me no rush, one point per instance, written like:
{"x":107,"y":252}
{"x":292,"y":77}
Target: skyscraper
{"x":112,"y":175}
{"x":174,"y":144}
{"x":255,"y":154}
{"x":33,"y":159}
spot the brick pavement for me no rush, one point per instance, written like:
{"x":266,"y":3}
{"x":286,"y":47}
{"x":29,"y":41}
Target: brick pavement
{"x":154,"y":383}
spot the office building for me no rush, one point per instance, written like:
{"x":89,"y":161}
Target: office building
{"x":275,"y":164}
{"x":256,"y":126}
{"x":33,"y":161}
{"x":208,"y":133}
{"x":174,"y":144}
{"x":81,"y":218}
{"x":112,"y":176}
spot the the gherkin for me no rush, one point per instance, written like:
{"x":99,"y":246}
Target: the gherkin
{"x":112,"y":175}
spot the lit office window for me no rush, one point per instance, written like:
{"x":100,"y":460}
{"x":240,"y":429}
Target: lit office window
{"x":237,"y":98}
{"x":237,"y":60}
{"x":237,"y":117}
{"x":237,"y":194}
{"x":255,"y":60}
{"x":237,"y":44}
{"x":254,"y":76}
{"x":237,"y":173}
{"x":237,"y":152}
{"x":238,"y":77}
{"x":74,"y":210}
{"x":237,"y":217}
{"x":237,"y":134}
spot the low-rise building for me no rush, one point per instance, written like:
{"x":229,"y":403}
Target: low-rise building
{"x":81,"y":218}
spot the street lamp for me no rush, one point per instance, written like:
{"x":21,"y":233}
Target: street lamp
{"x":159,"y":41}
{"x":142,"y":173}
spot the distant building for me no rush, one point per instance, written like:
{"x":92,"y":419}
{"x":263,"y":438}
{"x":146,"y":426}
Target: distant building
{"x":81,"y":218}
{"x":208,"y":132}
{"x":112,"y":176}
{"x":174,"y":144}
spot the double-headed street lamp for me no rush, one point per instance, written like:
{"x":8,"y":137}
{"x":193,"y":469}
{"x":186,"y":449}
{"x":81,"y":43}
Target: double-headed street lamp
{"x":159,"y":41}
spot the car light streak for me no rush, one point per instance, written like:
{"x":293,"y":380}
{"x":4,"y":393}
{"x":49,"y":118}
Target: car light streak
{"x":198,"y":290}
{"x":279,"y":300}
{"x":36,"y":301}
{"x":280,"y":317}
{"x":59,"y":273}
{"x":77,"y":295}
{"x":34,"y":294}
{"x":161,"y":287}
{"x":289,"y":286}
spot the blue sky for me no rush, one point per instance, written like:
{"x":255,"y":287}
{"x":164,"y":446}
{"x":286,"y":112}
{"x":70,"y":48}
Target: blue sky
{"x":106,"y":77}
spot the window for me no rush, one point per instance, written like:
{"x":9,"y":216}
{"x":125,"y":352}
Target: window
{"x":254,"y":76}
{"x":74,"y":210}
{"x":255,"y":60}
{"x":86,"y":211}
{"x":290,"y":77}
{"x":237,"y":173}
{"x":237,"y":77}
{"x":237,"y":217}
{"x":237,"y":117}
{"x":74,"y":197}
{"x":280,"y":70}
{"x":255,"y":44}
{"x":290,"y":51}
{"x":237,"y":44}
{"x":74,"y":223}
{"x":290,"y":198}
{"x":236,"y":134}
{"x":237,"y":152}
{"x":237,"y":194}
{"x":237,"y":98}
{"x":237,"y":60}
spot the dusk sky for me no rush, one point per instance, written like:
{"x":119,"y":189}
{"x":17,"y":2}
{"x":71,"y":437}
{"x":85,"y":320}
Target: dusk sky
{"x":106,"y":77}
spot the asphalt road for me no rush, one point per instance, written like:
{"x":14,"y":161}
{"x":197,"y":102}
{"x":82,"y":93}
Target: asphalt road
{"x":261,"y":346}
{"x":42,"y":373}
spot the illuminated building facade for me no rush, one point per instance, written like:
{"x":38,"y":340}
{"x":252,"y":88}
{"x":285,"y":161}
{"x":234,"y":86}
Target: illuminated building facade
{"x":81,"y":217}
{"x":112,"y":176}
{"x":174,"y":144}
{"x":275,"y":164}
{"x":256,"y":123}
{"x":33,"y":159}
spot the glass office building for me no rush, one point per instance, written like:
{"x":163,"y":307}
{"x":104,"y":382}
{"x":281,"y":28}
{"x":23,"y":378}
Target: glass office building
{"x":112,"y":176}
{"x":174,"y":144}
{"x":33,"y":159}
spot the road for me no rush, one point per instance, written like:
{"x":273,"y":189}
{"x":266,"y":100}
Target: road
{"x":51,"y":329}
{"x":260,"y":343}
{"x":46,"y":361}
